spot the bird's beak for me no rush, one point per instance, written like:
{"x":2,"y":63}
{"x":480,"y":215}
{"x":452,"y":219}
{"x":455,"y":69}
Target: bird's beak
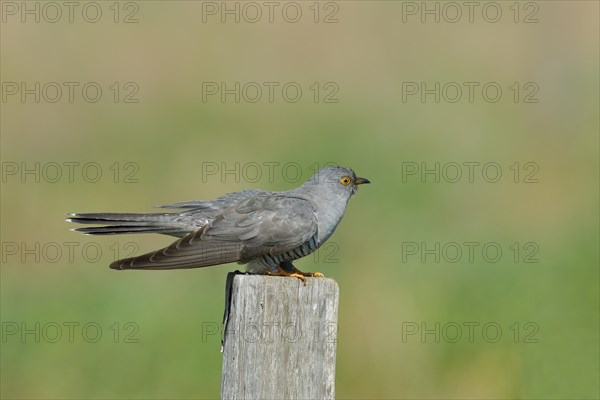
{"x":360,"y":181}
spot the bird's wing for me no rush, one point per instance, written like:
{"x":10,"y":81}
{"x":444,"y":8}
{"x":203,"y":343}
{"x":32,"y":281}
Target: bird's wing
{"x":216,"y":205}
{"x":266,"y":223}
{"x":271,"y":223}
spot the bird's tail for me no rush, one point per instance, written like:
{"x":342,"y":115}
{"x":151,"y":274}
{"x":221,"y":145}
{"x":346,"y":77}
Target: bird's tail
{"x":121,"y":223}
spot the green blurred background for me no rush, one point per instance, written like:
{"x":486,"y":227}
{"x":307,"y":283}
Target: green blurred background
{"x":171,"y":133}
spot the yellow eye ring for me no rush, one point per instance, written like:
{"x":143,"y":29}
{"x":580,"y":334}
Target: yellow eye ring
{"x":345,"y":181}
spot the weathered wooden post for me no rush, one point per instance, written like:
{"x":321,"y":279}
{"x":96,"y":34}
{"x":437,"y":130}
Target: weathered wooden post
{"x":280,"y":338}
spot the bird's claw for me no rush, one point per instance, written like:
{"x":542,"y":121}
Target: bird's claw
{"x":296,"y":273}
{"x":314,"y":274}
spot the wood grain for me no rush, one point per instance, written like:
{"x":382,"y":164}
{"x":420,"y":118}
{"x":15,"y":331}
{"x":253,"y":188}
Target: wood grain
{"x":280,"y":340}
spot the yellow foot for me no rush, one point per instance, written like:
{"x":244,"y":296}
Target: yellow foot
{"x":315,"y":274}
{"x":296,"y":273}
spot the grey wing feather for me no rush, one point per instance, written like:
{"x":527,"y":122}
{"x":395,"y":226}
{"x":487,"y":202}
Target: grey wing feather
{"x":270,"y":222}
{"x":266,"y":223}
{"x":218,"y":204}
{"x":188,"y":252}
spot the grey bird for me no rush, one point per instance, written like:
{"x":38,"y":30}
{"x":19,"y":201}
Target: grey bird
{"x":266,"y":230}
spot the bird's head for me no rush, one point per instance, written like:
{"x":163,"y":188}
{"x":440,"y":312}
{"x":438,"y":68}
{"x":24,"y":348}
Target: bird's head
{"x":338,"y":179}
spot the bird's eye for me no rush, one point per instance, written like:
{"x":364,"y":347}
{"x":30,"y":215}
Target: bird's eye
{"x":345,"y":181}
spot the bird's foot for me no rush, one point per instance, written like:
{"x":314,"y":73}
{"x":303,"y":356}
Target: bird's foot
{"x":315,"y":274}
{"x":282,"y":272}
{"x":290,"y":270}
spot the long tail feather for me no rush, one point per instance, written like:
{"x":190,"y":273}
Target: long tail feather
{"x":123,"y":223}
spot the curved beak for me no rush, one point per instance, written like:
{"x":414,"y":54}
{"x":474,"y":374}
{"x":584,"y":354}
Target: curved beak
{"x":360,"y":181}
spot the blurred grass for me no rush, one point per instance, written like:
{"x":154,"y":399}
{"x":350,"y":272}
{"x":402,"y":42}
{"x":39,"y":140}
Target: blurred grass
{"x":368,"y":54}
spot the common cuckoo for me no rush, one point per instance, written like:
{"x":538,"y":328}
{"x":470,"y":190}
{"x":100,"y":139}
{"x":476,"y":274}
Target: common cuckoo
{"x":266,"y":230}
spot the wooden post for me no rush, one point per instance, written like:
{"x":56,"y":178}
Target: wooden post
{"x":280,"y":338}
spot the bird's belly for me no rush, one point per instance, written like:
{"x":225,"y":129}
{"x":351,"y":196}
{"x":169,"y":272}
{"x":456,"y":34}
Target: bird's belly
{"x":270,"y":262}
